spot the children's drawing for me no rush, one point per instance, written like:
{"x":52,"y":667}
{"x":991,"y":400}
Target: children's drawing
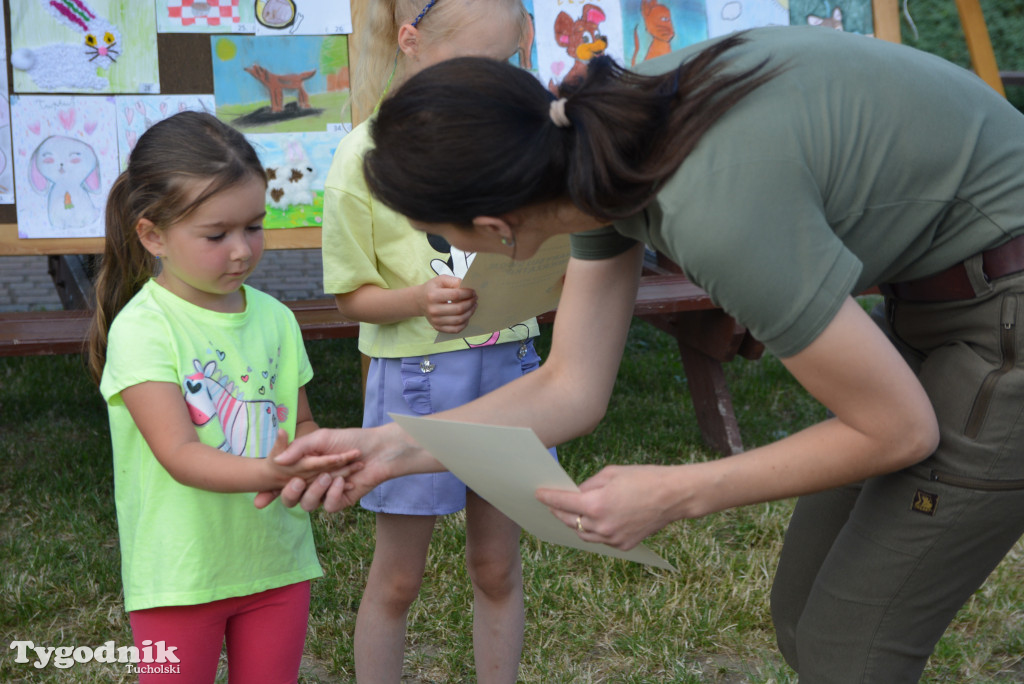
{"x":204,"y":16}
{"x":727,"y":16}
{"x":658,"y":27}
{"x":136,"y":113}
{"x":570,"y":33}
{"x":851,"y":16}
{"x":281,"y":84}
{"x":65,"y":159}
{"x":302,"y":17}
{"x":296,"y":166}
{"x":526,"y":54}
{"x":84,"y":46}
{"x":6,"y":172}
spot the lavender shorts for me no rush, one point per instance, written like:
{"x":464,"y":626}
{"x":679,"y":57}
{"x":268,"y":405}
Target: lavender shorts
{"x":419,"y":386}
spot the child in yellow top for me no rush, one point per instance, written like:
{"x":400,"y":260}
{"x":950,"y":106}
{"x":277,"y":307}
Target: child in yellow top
{"x":404,"y":287}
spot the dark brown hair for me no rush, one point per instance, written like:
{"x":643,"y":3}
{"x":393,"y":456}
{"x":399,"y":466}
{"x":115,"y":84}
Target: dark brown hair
{"x":171,"y":159}
{"x":473,"y":137}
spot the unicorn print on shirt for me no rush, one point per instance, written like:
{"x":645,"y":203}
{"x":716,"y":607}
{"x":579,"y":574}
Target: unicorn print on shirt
{"x":249,"y":426}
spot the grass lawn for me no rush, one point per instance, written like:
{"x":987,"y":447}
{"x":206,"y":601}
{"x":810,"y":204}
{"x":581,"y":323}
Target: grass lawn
{"x":589,"y":618}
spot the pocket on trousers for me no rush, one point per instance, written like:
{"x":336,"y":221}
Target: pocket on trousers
{"x":1008,"y":355}
{"x":982,"y":484}
{"x":416,"y":386}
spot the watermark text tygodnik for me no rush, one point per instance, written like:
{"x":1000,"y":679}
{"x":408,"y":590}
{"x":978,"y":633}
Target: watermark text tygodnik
{"x":66,"y":656}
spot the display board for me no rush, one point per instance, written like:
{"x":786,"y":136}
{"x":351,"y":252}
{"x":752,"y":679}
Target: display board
{"x":191,"y":64}
{"x":194,"y":66}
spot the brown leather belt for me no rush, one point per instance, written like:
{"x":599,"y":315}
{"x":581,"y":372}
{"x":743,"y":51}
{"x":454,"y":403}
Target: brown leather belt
{"x":953,"y":284}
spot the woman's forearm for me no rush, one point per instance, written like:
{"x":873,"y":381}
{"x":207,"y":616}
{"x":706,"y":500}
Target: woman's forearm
{"x":884,"y":420}
{"x":823,"y":456}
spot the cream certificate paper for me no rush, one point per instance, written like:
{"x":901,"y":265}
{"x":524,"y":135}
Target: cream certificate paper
{"x":505,"y":465}
{"x":510,"y":292}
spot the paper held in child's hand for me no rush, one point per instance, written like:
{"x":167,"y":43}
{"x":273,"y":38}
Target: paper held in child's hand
{"x":505,"y":466}
{"x":510,"y":292}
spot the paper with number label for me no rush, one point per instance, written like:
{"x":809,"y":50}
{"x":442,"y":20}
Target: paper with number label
{"x":505,"y":466}
{"x":510,"y":292}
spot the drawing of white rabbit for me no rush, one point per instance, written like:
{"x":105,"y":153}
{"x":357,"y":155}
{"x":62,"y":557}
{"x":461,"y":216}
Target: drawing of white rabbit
{"x":67,"y":170}
{"x":59,"y":66}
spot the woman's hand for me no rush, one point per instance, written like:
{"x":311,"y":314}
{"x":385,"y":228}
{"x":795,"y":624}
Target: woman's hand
{"x":447,"y":306}
{"x":622,"y":505}
{"x":333,"y":467}
{"x":385,"y":452}
{"x":302,"y":479}
{"x":338,"y":464}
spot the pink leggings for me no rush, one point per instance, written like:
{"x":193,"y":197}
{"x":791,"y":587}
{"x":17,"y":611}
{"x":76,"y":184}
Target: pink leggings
{"x":265,"y":635}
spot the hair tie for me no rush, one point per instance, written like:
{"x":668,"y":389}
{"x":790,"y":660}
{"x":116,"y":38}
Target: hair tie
{"x":557,"y":113}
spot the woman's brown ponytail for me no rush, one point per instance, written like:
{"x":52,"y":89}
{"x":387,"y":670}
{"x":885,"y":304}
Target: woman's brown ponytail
{"x":474,"y":137}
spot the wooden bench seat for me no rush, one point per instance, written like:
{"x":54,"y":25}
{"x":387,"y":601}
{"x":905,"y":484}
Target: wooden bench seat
{"x":25,"y":333}
{"x":706,"y":337}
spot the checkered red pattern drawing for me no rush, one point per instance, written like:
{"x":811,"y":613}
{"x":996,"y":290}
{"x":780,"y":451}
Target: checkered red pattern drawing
{"x":208,"y":12}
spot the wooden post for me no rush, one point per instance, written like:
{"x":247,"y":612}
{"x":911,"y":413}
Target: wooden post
{"x":887,"y":20}
{"x":983,"y":59}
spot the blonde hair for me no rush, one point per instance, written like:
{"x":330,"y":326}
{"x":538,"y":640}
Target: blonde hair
{"x":378,"y":55}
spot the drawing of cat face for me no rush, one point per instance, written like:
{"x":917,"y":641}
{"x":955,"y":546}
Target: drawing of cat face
{"x":64,"y":161}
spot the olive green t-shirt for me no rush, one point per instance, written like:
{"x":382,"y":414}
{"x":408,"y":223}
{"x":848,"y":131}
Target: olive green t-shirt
{"x":862,"y":162}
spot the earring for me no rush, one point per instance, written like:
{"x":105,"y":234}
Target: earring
{"x":508,"y":242}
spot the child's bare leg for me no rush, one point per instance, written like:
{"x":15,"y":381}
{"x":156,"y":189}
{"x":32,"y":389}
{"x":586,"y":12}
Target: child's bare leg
{"x":394,"y":581}
{"x":495,"y":568}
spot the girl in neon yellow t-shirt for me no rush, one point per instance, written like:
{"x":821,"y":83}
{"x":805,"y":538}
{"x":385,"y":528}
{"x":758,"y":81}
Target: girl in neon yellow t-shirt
{"x":204,"y":379}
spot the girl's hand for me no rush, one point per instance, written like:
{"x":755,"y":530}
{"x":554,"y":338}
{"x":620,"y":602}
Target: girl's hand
{"x":333,"y":493}
{"x":447,"y":306}
{"x":330,"y":467}
{"x":619,"y":506}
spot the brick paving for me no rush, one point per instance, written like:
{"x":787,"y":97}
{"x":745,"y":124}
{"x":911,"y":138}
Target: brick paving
{"x":290,"y":274}
{"x":25,"y":284}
